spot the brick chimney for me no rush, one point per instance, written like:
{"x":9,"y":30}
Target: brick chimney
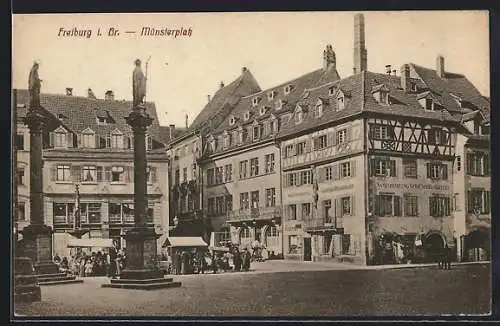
{"x":405,"y":77}
{"x":243,"y":70}
{"x":440,"y":66}
{"x":208,"y":97}
{"x":171,"y":129}
{"x":360,"y":54}
{"x":221,"y":84}
{"x":69,"y":91}
{"x":187,"y":121}
{"x":109,"y":96}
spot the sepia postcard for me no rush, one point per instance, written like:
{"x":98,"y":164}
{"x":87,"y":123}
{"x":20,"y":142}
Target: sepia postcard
{"x":251,"y":164}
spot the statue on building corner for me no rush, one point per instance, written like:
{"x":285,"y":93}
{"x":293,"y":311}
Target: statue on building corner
{"x":138,"y":85}
{"x":34,"y":85}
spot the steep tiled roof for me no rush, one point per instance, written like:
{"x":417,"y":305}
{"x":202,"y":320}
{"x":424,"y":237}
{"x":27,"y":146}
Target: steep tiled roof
{"x":165,"y":133}
{"x":244,"y":85}
{"x":80,"y":113}
{"x":298,"y":86}
{"x":456,"y":84}
{"x":358,"y":98}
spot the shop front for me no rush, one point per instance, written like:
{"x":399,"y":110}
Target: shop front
{"x":476,"y":245}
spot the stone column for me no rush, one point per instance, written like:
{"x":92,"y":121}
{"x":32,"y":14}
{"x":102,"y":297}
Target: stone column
{"x":37,"y":236}
{"x":141,"y":240}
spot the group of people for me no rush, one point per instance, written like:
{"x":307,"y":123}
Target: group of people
{"x":97,"y":263}
{"x":199,"y":261}
{"x":444,"y":261}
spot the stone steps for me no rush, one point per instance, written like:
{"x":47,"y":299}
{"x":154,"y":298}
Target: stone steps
{"x":57,"y":282}
{"x":57,"y":278}
{"x":146,"y":281}
{"x":153,"y":285}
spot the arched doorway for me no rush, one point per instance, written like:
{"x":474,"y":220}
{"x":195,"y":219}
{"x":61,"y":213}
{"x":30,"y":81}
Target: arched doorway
{"x":477,"y":245}
{"x":245,"y":237}
{"x":433,"y":245}
{"x":271,"y":239}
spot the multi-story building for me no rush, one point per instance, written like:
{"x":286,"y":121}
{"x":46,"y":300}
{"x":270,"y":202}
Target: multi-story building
{"x":186,"y":151}
{"x":88,"y":142}
{"x":472,"y":187}
{"x":241,"y":162}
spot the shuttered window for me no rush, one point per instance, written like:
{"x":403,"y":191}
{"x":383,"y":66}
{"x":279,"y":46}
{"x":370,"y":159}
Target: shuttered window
{"x":439,"y":206}
{"x":387,"y":205}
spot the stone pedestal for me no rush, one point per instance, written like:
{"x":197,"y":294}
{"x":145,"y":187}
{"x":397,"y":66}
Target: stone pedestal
{"x":141,"y":272}
{"x":38,"y":247}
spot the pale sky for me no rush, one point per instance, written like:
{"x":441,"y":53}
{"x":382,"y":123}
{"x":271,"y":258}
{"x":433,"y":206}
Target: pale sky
{"x":275,"y":47}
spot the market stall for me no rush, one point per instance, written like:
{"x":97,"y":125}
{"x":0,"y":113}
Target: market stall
{"x":182,"y":252}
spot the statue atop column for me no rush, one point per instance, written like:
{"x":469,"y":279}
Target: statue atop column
{"x":34,"y":86}
{"x":138,"y":85}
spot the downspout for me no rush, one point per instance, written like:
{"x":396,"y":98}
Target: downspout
{"x":366,"y":175}
{"x":281,"y":200}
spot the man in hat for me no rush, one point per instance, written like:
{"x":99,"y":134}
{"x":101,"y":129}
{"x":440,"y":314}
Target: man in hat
{"x":138,"y":84}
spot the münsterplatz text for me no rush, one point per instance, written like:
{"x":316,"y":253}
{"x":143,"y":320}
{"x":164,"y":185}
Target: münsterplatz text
{"x":151,"y":31}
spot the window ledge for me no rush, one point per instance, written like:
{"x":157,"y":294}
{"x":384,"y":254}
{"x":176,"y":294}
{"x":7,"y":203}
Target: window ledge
{"x":118,"y":183}
{"x":89,"y":182}
{"x":63,"y":182}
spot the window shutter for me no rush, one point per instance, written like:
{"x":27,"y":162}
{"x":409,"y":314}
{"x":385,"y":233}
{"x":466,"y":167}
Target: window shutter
{"x":338,"y":208}
{"x":79,"y":138}
{"x":428,"y":170}
{"x":126,"y":172}
{"x":353,"y":205}
{"x":469,"y":202}
{"x":486,"y":165}
{"x":51,"y":139}
{"x":353,"y":168}
{"x":469,"y":163}
{"x":377,"y":205}
{"x":69,"y":139}
{"x":96,"y":141}
{"x":447,"y":206}
{"x":348,"y":134}
{"x":372,"y":131}
{"x":316,"y":143}
{"x":76,"y":173}
{"x":444,"y":135}
{"x":444,"y":171}
{"x":99,"y":173}
{"x":321,"y":174}
{"x":392,"y":166}
{"x":298,"y":179}
{"x":329,"y":139}
{"x":308,"y":146}
{"x":108,"y":140}
{"x":334,"y":138}
{"x":373,"y":165}
{"x":432,"y":210}
{"x":53,"y":173}
{"x":107,"y":173}
{"x":487,"y":202}
{"x":125,"y":142}
{"x":397,"y":206}
{"x":335,"y":172}
{"x":153,"y":174}
{"x":283,"y":155}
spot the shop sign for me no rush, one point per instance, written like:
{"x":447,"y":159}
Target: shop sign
{"x":411,"y":186}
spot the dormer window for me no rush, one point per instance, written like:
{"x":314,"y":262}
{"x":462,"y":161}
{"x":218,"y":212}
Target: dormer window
{"x":255,"y":101}
{"x":340,"y":102}
{"x":288,"y":89}
{"x":102,"y":121}
{"x":88,"y":138}
{"x":116,"y":139}
{"x":263,"y":110}
{"x":298,"y":115}
{"x":271,"y":95}
{"x":331,"y":91}
{"x":232,"y":121}
{"x":306,"y":95}
{"x":429,"y":104}
{"x":246,"y":116}
{"x":414,"y":87}
{"x":227,"y":139}
{"x":279,"y":104}
{"x":318,"y":109}
{"x":256,"y":131}
{"x":381,"y":94}
{"x":60,"y":138}
{"x":149,"y":142}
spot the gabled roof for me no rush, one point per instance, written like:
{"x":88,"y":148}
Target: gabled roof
{"x":299,"y":85}
{"x":82,"y":112}
{"x":453,"y":83}
{"x":244,"y":85}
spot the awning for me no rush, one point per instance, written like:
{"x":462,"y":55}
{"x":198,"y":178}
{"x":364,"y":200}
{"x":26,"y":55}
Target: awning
{"x":90,"y":243}
{"x":184,"y":242}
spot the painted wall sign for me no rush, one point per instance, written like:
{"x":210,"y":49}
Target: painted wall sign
{"x":411,"y":186}
{"x":337,"y":188}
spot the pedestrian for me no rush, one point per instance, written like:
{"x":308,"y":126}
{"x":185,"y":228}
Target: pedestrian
{"x":237,"y":260}
{"x":447,"y":257}
{"x":177,"y":262}
{"x":214,"y":262}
